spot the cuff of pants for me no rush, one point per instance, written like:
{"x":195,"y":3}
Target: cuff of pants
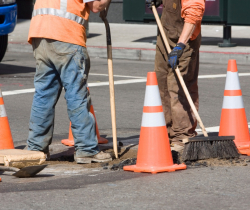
{"x":80,"y":153}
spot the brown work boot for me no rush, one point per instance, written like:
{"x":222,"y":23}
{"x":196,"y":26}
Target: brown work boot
{"x":99,"y":158}
{"x":178,"y":145}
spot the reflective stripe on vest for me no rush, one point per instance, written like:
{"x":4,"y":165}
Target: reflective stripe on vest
{"x":62,"y":12}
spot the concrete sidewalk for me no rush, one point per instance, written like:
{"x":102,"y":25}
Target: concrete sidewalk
{"x":134,"y":41}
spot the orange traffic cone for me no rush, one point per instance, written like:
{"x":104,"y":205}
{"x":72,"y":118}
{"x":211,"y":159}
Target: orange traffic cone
{"x":233,"y":120}
{"x":154,"y":153}
{"x":6,"y":141}
{"x":70,"y":140}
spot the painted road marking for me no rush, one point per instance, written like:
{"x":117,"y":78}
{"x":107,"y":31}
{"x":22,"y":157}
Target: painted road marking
{"x":119,"y":82}
{"x":213,"y":129}
{"x":200,"y":76}
{"x":16,"y":92}
{"x":96,"y":84}
{"x":220,"y":75}
{"x":106,"y":75}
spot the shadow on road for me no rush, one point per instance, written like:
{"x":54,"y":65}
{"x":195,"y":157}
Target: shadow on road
{"x":243,"y":42}
{"x":148,"y":39}
{"x":93,"y":35}
{"x":6,"y":69}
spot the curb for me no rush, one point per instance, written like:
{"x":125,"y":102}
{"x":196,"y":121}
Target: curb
{"x":143,"y":54}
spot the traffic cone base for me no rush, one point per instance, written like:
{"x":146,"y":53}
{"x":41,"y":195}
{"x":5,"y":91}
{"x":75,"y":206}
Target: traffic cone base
{"x":154,"y":153}
{"x":162,"y":160}
{"x":233,"y":116}
{"x":68,"y":142}
{"x":155,"y":170}
{"x":102,"y":140}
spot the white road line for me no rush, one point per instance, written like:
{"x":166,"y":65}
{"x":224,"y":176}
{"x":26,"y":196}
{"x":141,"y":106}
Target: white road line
{"x":209,"y":129}
{"x":96,"y":84}
{"x":16,"y":92}
{"x":117,"y":76}
{"x":200,"y":77}
{"x":213,"y":129}
{"x":119,"y":82}
{"x":220,"y":75}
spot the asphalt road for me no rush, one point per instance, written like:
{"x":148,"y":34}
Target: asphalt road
{"x":61,"y":188}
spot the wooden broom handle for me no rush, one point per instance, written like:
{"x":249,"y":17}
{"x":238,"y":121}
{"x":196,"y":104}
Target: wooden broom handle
{"x":191,"y":103}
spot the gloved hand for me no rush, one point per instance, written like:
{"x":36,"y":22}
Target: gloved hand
{"x":157,"y":3}
{"x":176,"y":53}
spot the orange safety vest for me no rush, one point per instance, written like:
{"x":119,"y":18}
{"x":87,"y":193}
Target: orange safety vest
{"x":62,"y":20}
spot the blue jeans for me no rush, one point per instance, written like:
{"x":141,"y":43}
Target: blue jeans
{"x":60,"y":64}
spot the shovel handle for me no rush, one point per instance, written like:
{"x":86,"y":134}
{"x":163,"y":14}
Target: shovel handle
{"x":191,"y":103}
{"x":111,"y":81}
{"x":4,"y":168}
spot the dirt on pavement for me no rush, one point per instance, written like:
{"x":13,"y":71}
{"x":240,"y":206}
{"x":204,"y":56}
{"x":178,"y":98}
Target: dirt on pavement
{"x":128,"y":155}
{"x":123,"y":154}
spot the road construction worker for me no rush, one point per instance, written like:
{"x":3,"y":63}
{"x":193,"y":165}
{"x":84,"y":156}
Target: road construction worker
{"x":181,"y":20}
{"x":58,"y":36}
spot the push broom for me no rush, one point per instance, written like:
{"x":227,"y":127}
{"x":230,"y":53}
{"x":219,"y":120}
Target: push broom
{"x":199,"y":148}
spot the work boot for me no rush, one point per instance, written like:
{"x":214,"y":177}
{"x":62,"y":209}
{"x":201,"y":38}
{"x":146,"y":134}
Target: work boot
{"x":178,"y":145}
{"x":99,"y":158}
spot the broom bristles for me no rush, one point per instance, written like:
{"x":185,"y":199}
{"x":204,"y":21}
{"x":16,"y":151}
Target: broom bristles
{"x":205,"y":149}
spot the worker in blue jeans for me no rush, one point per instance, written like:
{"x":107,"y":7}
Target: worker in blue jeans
{"x":62,"y":64}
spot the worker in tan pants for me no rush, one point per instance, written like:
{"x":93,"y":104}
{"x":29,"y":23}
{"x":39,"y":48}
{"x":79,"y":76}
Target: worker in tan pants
{"x":181,"y":20}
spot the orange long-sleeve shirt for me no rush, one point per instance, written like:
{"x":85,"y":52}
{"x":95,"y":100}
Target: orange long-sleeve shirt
{"x":192,"y":11}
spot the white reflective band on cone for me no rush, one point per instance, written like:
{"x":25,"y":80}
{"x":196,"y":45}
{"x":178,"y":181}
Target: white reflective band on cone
{"x":232,"y":102}
{"x":2,"y":111}
{"x":152,"y":96}
{"x":232,"y":81}
{"x":60,"y":13}
{"x":153,"y":119}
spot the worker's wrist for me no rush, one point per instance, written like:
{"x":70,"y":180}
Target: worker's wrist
{"x":181,"y":45}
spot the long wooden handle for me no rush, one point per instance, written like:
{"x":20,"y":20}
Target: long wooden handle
{"x":111,"y":84}
{"x":4,"y":168}
{"x":191,"y":103}
{"x":112,"y":98}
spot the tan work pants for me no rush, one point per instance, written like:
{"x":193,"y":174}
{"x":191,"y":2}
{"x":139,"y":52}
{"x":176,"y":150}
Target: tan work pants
{"x":180,"y":120}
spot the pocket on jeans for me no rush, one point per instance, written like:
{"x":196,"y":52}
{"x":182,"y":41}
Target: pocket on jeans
{"x":63,"y":48}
